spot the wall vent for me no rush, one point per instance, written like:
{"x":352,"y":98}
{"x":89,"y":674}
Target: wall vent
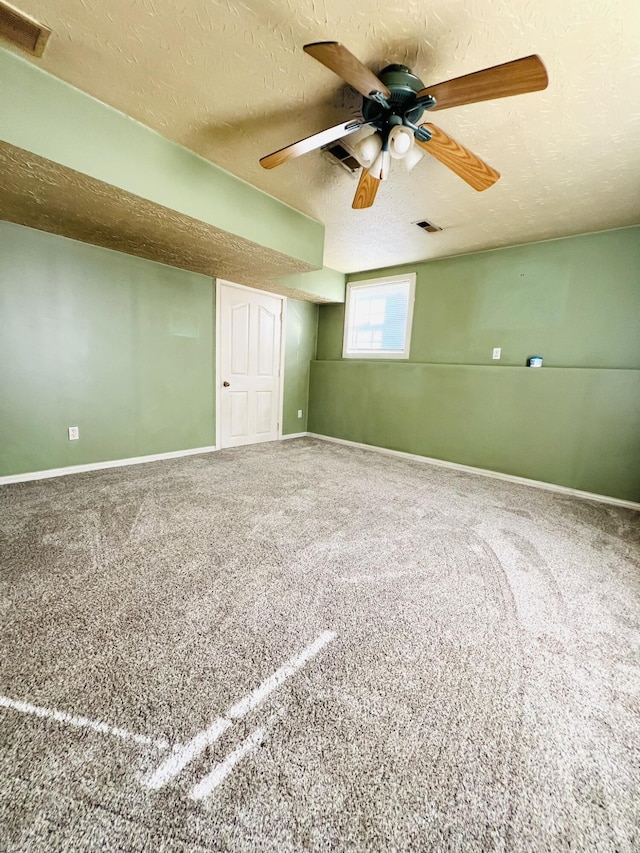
{"x":338,"y":153}
{"x":21,"y":30}
{"x":428,"y":226}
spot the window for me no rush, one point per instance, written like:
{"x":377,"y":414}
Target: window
{"x":378,"y":316}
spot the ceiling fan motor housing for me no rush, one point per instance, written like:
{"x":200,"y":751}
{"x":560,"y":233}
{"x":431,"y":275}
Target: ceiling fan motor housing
{"x":404,"y":87}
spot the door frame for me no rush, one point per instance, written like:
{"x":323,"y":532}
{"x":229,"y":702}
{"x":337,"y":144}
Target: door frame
{"x":218,"y":352}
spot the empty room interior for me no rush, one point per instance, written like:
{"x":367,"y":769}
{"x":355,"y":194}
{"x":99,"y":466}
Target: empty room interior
{"x":319,"y":426}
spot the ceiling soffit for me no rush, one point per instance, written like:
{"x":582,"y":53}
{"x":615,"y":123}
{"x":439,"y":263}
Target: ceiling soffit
{"x":45,"y":195}
{"x":230,"y":81}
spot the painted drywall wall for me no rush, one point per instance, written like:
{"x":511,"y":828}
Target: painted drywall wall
{"x":326,"y":284}
{"x":574,"y":301}
{"x":576,"y":428}
{"x":300,"y":349}
{"x":575,"y":423}
{"x":121,"y":347}
{"x":46,"y":116}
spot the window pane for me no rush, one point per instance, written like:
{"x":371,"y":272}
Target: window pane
{"x":378,"y":317}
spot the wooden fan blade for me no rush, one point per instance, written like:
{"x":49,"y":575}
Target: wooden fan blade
{"x":512,"y":78}
{"x":343,"y":63}
{"x":310,"y":143}
{"x":366,"y":191}
{"x":459,"y":159}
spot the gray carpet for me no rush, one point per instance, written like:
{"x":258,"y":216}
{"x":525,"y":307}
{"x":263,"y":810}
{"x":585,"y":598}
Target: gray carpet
{"x":481,"y":692}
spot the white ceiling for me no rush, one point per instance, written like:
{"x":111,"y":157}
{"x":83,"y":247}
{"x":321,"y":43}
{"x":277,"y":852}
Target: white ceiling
{"x":229,"y":80}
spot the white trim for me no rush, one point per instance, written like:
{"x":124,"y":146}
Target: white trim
{"x":409,"y":278}
{"x":218,"y":354}
{"x":497,"y":475}
{"x":98,"y":466}
{"x":283,"y":343}
{"x":442,"y":463}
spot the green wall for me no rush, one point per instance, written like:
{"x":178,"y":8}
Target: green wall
{"x":124,"y":348}
{"x":44,"y":115}
{"x":117,"y":345}
{"x":575,"y":423}
{"x":327,"y":284}
{"x":574,"y":301}
{"x":300,"y":349}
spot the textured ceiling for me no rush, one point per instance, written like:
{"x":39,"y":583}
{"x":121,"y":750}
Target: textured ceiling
{"x":230,"y":81}
{"x":44,"y":195}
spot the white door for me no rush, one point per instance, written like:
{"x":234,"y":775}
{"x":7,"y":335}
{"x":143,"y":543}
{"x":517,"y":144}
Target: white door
{"x":249,"y":358}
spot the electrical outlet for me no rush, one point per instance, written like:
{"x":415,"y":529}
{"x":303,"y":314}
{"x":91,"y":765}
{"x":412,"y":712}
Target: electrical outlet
{"x":74,"y":433}
{"x":299,"y":413}
{"x":497,"y":352}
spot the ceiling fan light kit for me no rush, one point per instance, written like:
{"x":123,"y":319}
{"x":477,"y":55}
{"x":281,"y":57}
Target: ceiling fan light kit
{"x":401,"y":141}
{"x":393,"y":105}
{"x":381,"y":166}
{"x":367,"y":149}
{"x":412,"y":158}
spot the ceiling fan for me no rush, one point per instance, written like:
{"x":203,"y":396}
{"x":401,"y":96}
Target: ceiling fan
{"x":392,"y":108}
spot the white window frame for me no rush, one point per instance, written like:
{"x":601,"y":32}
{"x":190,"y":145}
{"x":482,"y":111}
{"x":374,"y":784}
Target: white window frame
{"x":366,"y":354}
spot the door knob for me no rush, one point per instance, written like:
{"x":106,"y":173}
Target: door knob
{"x":226,"y":384}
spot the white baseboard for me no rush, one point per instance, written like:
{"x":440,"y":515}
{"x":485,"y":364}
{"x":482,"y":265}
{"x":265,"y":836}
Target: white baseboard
{"x":510,"y":478}
{"x":98,"y":466}
{"x":456,"y":466}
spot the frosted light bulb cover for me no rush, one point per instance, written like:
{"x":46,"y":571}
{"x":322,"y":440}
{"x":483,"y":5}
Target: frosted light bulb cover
{"x":400,"y":142}
{"x":412,"y":158}
{"x":381,"y":166}
{"x":376,"y":167}
{"x":386,"y":165}
{"x":368,"y":149}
